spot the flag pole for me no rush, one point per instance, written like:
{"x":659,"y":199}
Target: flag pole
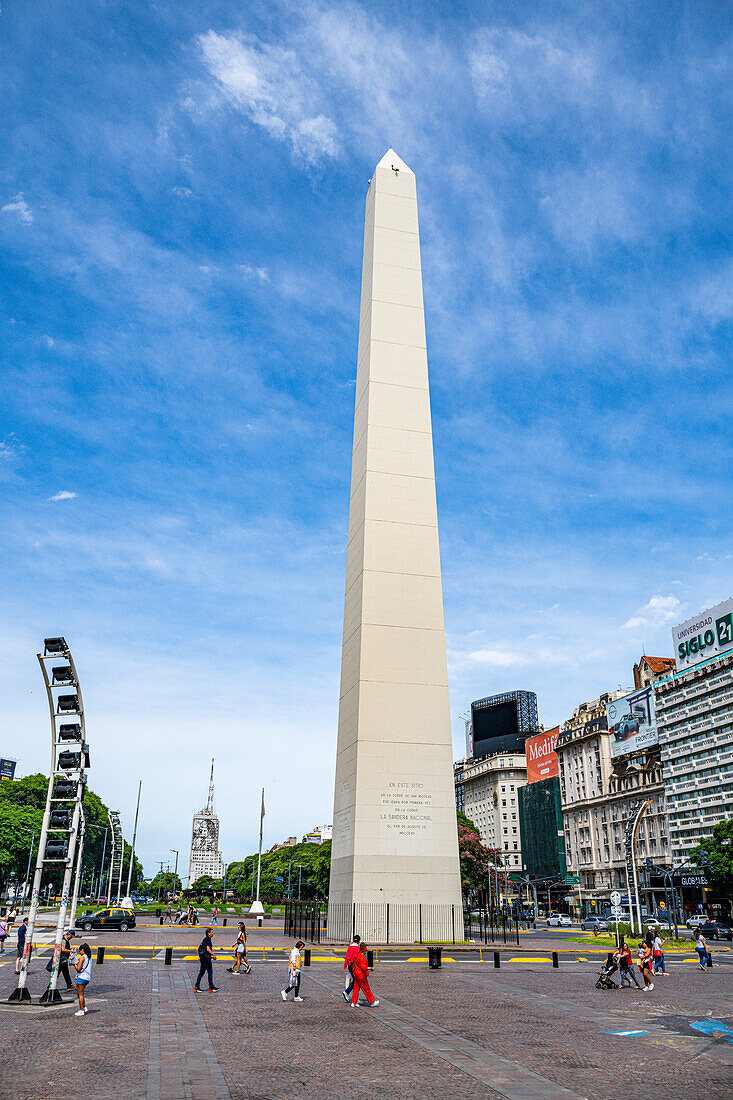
{"x":257,"y":909}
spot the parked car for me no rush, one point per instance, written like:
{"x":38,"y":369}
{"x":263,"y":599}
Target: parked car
{"x":559,"y":920}
{"x":594,"y":924}
{"x":107,"y":918}
{"x":716,"y":930}
{"x":696,"y":921}
{"x":652,"y":922}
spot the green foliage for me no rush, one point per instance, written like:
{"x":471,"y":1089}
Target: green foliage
{"x":316,"y":865}
{"x":21,"y":811}
{"x":465,"y":822}
{"x":167,"y":884}
{"x":719,"y":850}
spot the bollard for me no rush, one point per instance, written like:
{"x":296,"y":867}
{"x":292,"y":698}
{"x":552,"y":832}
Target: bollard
{"x":370,"y":959}
{"x":259,"y":922}
{"x":555,"y":961}
{"x":168,"y":956}
{"x":100,"y":956}
{"x":307,"y":956}
{"x":224,"y":923}
{"x":497,"y":960}
{"x":160,"y":921}
{"x":710,"y":959}
{"x":435,"y":961}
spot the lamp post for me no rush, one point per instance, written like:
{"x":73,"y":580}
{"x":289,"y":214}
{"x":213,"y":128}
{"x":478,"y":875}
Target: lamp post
{"x":175,"y":873}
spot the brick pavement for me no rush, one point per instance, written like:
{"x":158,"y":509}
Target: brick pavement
{"x":465,"y":1031}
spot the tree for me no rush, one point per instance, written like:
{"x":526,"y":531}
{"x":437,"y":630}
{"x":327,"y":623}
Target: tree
{"x":168,"y":884}
{"x":477,"y":861}
{"x":719,"y":850}
{"x":22,"y":803}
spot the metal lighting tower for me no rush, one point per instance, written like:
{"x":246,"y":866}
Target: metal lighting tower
{"x":115,"y":866}
{"x":66,"y":784}
{"x":134,"y":838}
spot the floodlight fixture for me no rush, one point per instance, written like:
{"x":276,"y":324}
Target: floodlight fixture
{"x":69,"y":732}
{"x":64,"y":788}
{"x":69,"y":761}
{"x":54,"y":645}
{"x":68,"y":703}
{"x":57,"y":847}
{"x":60,"y":819}
{"x":62,"y":674}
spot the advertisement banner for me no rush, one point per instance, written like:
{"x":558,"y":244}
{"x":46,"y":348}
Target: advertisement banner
{"x":632,"y":722}
{"x":542,"y":760}
{"x":7,"y":768}
{"x":709,"y":634}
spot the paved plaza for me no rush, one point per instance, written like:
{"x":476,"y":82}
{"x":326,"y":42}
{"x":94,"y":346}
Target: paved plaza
{"x":467,"y":1030}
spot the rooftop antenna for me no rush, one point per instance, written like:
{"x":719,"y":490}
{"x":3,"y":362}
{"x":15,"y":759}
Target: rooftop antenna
{"x":210,"y":803}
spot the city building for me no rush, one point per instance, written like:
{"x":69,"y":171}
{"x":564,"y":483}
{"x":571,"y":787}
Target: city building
{"x":599,"y":786}
{"x":289,"y":843}
{"x":205,"y":855}
{"x":487,"y":792}
{"x":694,"y":707}
{"x":500,"y":723}
{"x":650,"y":669}
{"x":540,"y":810}
{"x":318,"y":835}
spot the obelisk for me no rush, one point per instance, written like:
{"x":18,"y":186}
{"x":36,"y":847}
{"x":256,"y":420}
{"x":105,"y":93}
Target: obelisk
{"x":394,"y":826}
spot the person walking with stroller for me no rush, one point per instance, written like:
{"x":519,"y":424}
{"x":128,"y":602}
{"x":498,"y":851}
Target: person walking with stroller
{"x":702,"y":949}
{"x":240,"y":952}
{"x":626,"y":965}
{"x":361,"y":978}
{"x":351,"y":952}
{"x":294,"y":967}
{"x":207,"y":957}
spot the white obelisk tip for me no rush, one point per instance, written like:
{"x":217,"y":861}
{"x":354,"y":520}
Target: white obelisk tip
{"x":391,"y":160}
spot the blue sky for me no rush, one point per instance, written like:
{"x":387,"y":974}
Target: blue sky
{"x":181,"y":213}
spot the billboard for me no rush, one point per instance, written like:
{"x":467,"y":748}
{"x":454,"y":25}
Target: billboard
{"x":632,"y":722}
{"x":7,"y":768}
{"x":709,"y":634}
{"x":542,"y":760}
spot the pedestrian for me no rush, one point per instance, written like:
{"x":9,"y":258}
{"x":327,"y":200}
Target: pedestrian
{"x":3,"y":934}
{"x":658,"y":953}
{"x":351,"y":951}
{"x":240,"y":952}
{"x":83,"y":967}
{"x":295,"y":964}
{"x":702,"y":949}
{"x":12,"y":917}
{"x":361,"y":978}
{"x":22,"y":932}
{"x":645,"y":965}
{"x":207,"y":957}
{"x":626,"y":967}
{"x":215,"y":917}
{"x":168,"y":914}
{"x":65,"y":957}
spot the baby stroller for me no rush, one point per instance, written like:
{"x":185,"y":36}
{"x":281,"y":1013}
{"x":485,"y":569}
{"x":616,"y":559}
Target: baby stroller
{"x":605,"y":981}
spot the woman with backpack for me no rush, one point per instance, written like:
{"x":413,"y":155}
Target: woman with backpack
{"x":240,"y":952}
{"x":702,"y":949}
{"x":207,"y":959}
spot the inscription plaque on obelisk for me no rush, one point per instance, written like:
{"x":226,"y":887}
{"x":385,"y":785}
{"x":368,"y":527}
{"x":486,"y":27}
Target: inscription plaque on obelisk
{"x":394,"y":826}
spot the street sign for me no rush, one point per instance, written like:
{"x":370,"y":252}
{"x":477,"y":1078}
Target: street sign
{"x":615,"y":899}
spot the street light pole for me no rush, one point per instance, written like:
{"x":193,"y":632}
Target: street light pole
{"x":175,"y":873}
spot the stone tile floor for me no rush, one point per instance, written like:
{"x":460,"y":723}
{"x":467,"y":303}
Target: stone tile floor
{"x":464,"y":1031}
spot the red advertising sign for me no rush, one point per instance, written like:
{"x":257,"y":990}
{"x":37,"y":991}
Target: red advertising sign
{"x":541,"y":755}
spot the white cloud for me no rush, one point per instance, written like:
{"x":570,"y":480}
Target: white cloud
{"x":19,"y":207}
{"x":260,"y":273}
{"x":63,"y":495}
{"x":182,"y":192}
{"x":269,"y":85}
{"x":48,"y":341}
{"x":496,"y":657}
{"x":659,"y":610}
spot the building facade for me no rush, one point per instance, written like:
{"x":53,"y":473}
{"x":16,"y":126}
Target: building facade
{"x":542,"y":829}
{"x":487,"y":792}
{"x":597,"y":795}
{"x":205,"y":856}
{"x":695,"y":719}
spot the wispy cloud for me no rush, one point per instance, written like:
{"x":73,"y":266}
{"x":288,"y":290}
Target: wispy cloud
{"x":659,"y":610}
{"x":260,"y":273}
{"x":19,"y":208}
{"x":269,"y":85}
{"x":63,"y":495}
